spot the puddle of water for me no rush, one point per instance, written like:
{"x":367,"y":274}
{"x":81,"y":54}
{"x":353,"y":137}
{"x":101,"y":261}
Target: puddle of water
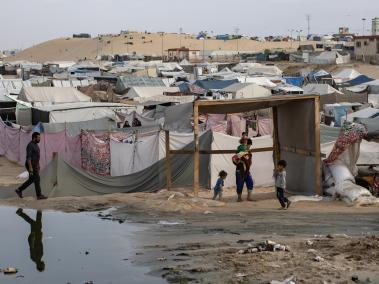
{"x":50,"y":247}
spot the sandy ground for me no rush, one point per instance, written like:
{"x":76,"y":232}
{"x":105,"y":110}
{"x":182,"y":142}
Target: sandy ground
{"x":149,"y":44}
{"x":198,"y":240}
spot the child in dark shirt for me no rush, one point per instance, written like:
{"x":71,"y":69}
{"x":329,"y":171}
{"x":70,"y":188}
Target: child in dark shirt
{"x":219,"y":185}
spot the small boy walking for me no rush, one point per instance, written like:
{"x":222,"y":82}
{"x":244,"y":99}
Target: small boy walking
{"x":280,"y":183}
{"x":219,"y":185}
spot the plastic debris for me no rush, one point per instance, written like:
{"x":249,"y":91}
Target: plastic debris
{"x":318,"y":258}
{"x":208,"y":212}
{"x":309,"y":243}
{"x":161,"y":259}
{"x":290,"y":280}
{"x":239,"y":275}
{"x":263,"y":246}
{"x":10,"y":270}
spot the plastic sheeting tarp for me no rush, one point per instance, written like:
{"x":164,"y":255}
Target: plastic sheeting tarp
{"x":262,"y":163}
{"x":295,"y":81}
{"x":214,"y":84}
{"x":362,"y":79}
{"x":60,"y":179}
{"x":52,"y":95}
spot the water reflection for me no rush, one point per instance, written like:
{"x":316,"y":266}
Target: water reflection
{"x":35,"y":238}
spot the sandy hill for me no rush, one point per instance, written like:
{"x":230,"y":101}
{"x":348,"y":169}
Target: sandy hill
{"x":141,"y":43}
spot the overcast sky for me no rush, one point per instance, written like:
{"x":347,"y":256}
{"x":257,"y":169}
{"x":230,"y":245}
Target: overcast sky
{"x":27,"y":22}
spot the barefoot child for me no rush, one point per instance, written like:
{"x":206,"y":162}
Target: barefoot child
{"x":280,"y":183}
{"x":219,"y":185}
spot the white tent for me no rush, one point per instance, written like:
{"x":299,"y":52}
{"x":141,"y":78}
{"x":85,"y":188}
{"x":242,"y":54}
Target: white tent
{"x":246,"y":91}
{"x":83,"y":111}
{"x":244,"y":67}
{"x":264,"y":71}
{"x":320,"y":89}
{"x":346,"y":75}
{"x":363,"y":113}
{"x":148,"y":92}
{"x":260,"y":81}
{"x":52,"y":95}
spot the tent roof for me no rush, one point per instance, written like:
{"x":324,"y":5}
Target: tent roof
{"x":146,"y":92}
{"x":52,"y":95}
{"x":125,"y":82}
{"x":82,"y":105}
{"x":245,"y":105}
{"x":358,"y":81}
{"x":347,"y":74}
{"x":363,"y":113}
{"x":265,"y":70}
{"x":215,"y":84}
{"x":321,"y":89}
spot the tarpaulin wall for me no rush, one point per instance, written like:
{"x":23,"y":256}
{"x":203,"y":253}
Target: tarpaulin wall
{"x":61,"y":179}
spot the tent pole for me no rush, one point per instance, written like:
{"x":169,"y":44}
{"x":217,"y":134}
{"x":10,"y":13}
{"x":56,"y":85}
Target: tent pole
{"x":196,"y":152}
{"x":319,"y":190}
{"x":168,"y":161}
{"x":276,"y":135}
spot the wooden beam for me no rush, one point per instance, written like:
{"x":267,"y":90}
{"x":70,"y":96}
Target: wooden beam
{"x":302,"y":152}
{"x":168,"y":161}
{"x":196,"y":156}
{"x":318,"y":176}
{"x":217,"y":152}
{"x":276,"y":135}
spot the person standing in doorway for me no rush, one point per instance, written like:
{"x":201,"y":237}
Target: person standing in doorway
{"x":32,"y":166}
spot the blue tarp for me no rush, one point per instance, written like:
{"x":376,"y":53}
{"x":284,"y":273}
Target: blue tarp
{"x":295,"y":81}
{"x":215,"y":84}
{"x":358,"y":81}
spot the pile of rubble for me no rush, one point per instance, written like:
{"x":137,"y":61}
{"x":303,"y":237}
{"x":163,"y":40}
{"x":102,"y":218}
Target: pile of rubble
{"x":264,"y":246}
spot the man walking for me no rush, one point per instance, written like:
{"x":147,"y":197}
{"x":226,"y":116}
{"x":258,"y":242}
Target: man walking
{"x":32,"y":166}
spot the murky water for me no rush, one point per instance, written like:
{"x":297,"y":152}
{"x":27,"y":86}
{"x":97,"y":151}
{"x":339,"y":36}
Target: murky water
{"x":53,"y":247}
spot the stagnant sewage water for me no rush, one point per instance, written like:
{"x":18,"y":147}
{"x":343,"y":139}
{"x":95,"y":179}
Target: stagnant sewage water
{"x":52,"y":247}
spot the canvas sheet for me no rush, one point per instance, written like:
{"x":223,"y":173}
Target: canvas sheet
{"x":74,"y":128}
{"x":83,"y":114}
{"x":262,"y":163}
{"x":134,"y":154}
{"x":265,"y":126}
{"x":178,"y":118}
{"x":236,"y":125}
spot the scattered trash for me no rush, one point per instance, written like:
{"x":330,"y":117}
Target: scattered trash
{"x":239,"y":275}
{"x":208,"y":212}
{"x":167,"y":223}
{"x":161,"y":259}
{"x":290,"y":280}
{"x":86,"y":253}
{"x":10,"y":270}
{"x":309,"y":243}
{"x":264,"y":246}
{"x":355,"y":278}
{"x":318,"y":258}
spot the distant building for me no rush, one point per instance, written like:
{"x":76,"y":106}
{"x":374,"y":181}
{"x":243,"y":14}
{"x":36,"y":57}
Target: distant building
{"x":367,"y":48}
{"x":343,"y":30}
{"x":375,"y":26}
{"x":178,"y":54}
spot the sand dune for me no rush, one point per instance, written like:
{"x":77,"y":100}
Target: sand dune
{"x":148,"y":44}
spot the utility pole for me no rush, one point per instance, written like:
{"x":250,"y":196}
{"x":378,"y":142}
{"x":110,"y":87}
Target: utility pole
{"x":364,"y":26}
{"x":162,"y":45}
{"x":236,"y":31}
{"x":291,"y":39}
{"x":180,"y":37}
{"x":309,"y":24}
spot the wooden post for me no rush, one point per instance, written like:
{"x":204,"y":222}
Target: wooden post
{"x":196,"y":155}
{"x":276,"y":141}
{"x":317,"y":147}
{"x":168,"y":161}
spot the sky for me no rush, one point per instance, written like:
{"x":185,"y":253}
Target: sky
{"x":24,"y":23}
